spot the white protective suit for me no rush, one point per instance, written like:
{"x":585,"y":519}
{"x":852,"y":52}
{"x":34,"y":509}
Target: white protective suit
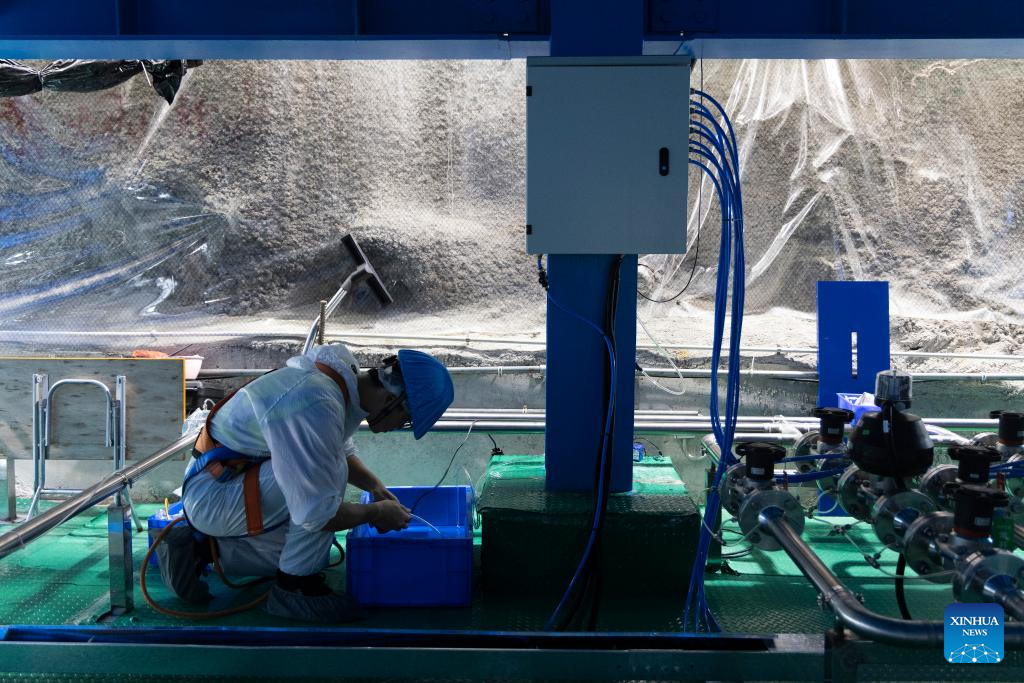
{"x":298,"y":416}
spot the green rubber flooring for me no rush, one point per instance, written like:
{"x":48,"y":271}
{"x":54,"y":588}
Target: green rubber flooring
{"x":62,"y":578}
{"x":777,"y":599}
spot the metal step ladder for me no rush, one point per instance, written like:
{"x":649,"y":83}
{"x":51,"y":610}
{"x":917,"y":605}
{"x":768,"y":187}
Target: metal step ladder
{"x":42,"y":414}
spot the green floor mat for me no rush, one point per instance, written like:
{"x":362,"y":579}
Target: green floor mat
{"x":62,"y":578}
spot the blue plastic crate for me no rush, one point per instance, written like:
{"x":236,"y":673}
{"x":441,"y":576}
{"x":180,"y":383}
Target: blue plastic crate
{"x":416,"y":566}
{"x":849,"y":402}
{"x":158,"y":521}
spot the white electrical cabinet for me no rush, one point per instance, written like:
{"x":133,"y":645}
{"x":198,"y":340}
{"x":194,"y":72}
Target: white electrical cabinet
{"x":606,"y":155}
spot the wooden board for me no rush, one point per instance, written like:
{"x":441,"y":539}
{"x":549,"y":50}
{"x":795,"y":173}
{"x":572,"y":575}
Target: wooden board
{"x":155,"y":397}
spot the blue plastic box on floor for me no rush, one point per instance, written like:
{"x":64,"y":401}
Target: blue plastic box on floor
{"x":428,"y":564}
{"x":158,"y":521}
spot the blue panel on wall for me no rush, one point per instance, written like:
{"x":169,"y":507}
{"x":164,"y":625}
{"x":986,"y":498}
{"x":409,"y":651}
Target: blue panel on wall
{"x":449,"y":17}
{"x":848,"y":312}
{"x":867,"y":18}
{"x":597,"y":28}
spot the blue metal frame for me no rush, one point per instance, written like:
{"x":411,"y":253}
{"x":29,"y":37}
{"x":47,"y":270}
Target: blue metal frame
{"x":499,"y":29}
{"x":336,"y":636}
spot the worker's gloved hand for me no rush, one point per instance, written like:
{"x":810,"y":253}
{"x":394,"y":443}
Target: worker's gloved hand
{"x":381,"y":492}
{"x":389,"y":515}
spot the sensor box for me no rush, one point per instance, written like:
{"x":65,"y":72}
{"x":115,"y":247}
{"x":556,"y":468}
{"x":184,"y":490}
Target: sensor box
{"x":606,"y":155}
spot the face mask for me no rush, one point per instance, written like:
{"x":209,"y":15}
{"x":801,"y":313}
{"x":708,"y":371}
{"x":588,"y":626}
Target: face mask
{"x":389,"y":375}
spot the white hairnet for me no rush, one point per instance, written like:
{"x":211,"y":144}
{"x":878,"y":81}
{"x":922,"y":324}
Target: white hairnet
{"x":335,"y":356}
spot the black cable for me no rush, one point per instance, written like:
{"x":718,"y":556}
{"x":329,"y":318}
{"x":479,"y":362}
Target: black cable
{"x":495,"y":444}
{"x":901,"y":598}
{"x":583,"y":606}
{"x":643,"y":438}
{"x":612,"y":308}
{"x":586,"y":595}
{"x":693,"y":270}
{"x":700,"y":214}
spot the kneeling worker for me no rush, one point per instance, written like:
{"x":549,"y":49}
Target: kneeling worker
{"x":271,"y":467}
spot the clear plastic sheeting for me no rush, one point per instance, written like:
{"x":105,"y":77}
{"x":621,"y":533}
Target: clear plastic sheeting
{"x":905,"y":171}
{"x":225,"y":212}
{"x":120,"y":214}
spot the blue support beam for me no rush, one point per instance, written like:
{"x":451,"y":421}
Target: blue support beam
{"x":577,"y":371}
{"x":577,"y":358}
{"x":270,"y":29}
{"x":499,"y":29}
{"x":830,"y":29}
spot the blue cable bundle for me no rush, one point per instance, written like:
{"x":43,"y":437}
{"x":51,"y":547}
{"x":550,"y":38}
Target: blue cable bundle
{"x":715,"y":151}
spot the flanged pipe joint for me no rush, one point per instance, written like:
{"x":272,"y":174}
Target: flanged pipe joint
{"x":828,"y":441}
{"x":749,"y":489}
{"x":884,"y":502}
{"x":939,"y":544}
{"x":1009,"y":439}
{"x":888,"y":448}
{"x":973,"y":467}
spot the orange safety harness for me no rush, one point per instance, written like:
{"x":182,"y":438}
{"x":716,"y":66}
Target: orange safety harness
{"x":228,"y":468}
{"x":222,"y":470}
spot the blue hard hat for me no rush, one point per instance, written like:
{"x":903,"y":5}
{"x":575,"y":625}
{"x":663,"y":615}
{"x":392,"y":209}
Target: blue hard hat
{"x":428,"y":388}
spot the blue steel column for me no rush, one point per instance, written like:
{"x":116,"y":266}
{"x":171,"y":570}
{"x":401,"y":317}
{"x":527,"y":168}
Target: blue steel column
{"x":577,"y":358}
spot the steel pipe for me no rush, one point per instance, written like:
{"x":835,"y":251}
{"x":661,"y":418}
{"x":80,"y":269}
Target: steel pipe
{"x":278,"y":334}
{"x":485,"y":424}
{"x":499,"y":370}
{"x":27,"y":532}
{"x":697,"y":425}
{"x":1003,"y":591}
{"x":847,"y":607}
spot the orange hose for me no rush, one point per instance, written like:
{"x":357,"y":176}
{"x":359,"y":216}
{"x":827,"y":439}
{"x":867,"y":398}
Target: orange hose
{"x":193,"y":615}
{"x":220,"y":572}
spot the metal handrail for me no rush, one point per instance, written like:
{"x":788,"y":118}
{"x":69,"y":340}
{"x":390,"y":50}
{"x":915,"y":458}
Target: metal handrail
{"x":27,"y":532}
